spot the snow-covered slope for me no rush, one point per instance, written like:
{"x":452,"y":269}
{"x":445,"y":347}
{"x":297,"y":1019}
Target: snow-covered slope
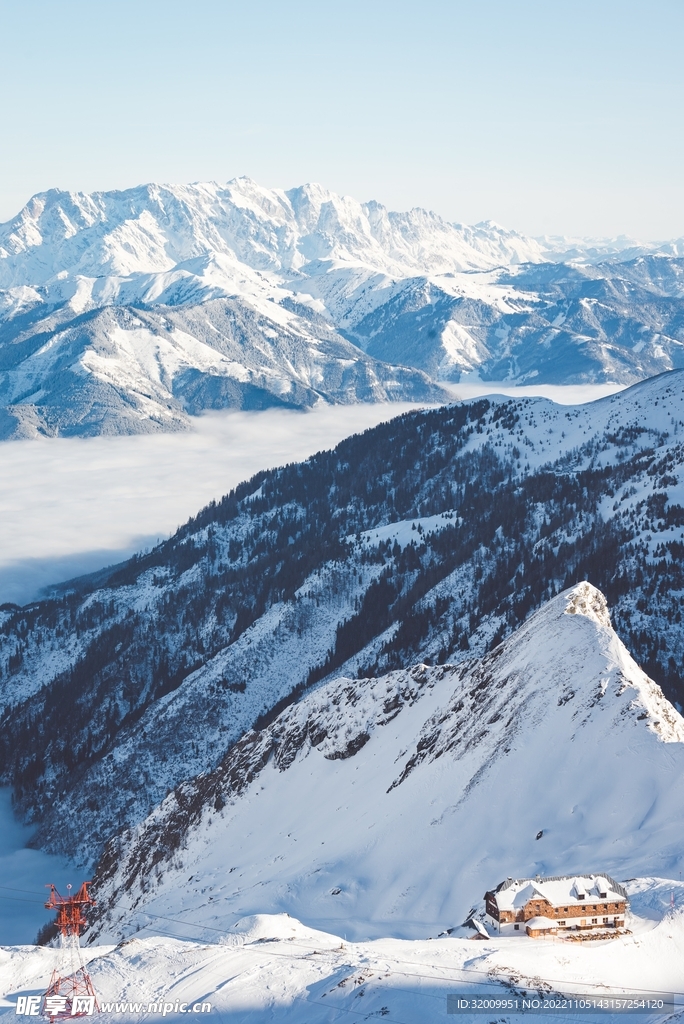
{"x":388,"y":805}
{"x":546,"y":323}
{"x":290,"y":270}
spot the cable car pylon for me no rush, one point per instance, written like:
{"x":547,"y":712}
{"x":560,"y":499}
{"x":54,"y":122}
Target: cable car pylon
{"x":70,"y":992}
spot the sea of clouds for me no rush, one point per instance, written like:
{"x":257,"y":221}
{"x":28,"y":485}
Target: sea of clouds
{"x":69,"y":506}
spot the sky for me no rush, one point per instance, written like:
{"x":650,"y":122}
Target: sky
{"x":553,"y":117}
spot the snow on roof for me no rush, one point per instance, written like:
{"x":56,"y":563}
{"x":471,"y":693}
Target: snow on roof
{"x":518,"y":897}
{"x":558,"y":890}
{"x":541,"y":922}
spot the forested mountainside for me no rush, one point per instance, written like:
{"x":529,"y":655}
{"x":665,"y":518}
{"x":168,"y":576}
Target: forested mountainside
{"x":388,"y":805}
{"x":430,"y":537}
{"x":128,"y":312}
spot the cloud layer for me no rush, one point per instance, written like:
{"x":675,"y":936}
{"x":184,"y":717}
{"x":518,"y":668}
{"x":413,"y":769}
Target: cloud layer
{"x":69,"y":506}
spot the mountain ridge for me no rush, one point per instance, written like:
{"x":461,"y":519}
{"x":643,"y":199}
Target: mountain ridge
{"x":471,"y":737}
{"x":122,"y":369}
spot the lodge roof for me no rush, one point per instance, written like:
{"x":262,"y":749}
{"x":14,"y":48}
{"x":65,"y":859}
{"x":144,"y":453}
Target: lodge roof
{"x":558,"y":890}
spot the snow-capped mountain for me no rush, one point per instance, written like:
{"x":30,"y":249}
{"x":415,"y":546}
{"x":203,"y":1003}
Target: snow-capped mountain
{"x":386,"y":806}
{"x":119,"y":369}
{"x":621,"y":249}
{"x":548,"y":323}
{"x":154,"y":228}
{"x":298,"y":281}
{"x":429,"y":538}
{"x":72,"y":366}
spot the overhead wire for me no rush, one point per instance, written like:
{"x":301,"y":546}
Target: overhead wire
{"x":29,"y":892}
{"x":491,"y":981}
{"x":389,"y":970}
{"x":18,"y":899}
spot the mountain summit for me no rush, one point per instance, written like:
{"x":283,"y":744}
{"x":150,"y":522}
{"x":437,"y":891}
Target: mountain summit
{"x":154,"y":228}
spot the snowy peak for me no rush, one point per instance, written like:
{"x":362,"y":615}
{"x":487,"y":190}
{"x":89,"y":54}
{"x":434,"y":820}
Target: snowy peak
{"x":68,"y":254}
{"x":373,"y":800}
{"x":151,"y":228}
{"x":627,"y":690}
{"x":590,"y":602}
{"x":565,"y":667}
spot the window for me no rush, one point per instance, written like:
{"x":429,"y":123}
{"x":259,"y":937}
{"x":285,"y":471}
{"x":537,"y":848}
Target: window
{"x":594,"y":920}
{"x":562,"y":923}
{"x":565,"y":910}
{"x":605,"y":920}
{"x":516,"y":927}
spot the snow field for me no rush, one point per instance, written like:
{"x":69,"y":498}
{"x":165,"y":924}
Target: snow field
{"x":273,"y":968}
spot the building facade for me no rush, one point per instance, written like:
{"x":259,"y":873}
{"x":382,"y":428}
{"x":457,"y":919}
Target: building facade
{"x":556,"y":905}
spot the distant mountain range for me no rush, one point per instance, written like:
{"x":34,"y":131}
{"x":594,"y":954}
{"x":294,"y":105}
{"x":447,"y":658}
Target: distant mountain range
{"x":124,"y":312}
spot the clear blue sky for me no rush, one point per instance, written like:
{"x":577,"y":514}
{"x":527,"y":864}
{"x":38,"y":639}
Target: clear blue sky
{"x":549,"y":117}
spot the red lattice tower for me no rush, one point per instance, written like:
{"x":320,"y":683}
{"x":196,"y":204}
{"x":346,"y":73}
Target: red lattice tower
{"x":71,"y":982}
